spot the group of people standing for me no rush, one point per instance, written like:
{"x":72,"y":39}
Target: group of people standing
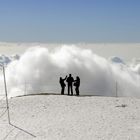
{"x":70,"y":83}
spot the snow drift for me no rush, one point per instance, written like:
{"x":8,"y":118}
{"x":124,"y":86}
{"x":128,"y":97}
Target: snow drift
{"x":39,"y":69}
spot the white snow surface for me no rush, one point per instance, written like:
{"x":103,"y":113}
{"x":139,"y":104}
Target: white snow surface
{"x":60,"y":117}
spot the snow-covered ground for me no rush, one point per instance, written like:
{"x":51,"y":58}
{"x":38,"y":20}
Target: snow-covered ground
{"x":55,"y":117}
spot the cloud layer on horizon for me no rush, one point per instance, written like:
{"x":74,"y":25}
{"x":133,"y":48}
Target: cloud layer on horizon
{"x":39,"y":69}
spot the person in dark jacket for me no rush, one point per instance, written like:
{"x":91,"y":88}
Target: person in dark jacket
{"x":77,"y":85}
{"x":70,"y":81}
{"x":63,"y":85}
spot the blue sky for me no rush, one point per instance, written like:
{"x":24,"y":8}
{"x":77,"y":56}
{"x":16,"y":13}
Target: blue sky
{"x":70,"y":21}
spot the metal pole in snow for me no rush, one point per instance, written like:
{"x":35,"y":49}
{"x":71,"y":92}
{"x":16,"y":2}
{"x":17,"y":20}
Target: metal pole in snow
{"x":7,"y":103}
{"x":116,"y":89}
{"x":5,"y":86}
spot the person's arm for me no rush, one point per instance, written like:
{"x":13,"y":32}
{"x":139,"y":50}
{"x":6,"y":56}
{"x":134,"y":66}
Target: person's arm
{"x":65,"y":77}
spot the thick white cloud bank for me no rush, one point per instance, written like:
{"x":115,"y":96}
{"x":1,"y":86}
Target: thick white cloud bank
{"x":38,"y":70}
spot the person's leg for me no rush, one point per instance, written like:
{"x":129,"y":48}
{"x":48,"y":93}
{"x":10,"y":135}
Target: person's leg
{"x":68,"y":90}
{"x":77,"y":91}
{"x":71,"y":90}
{"x":62,"y":90}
